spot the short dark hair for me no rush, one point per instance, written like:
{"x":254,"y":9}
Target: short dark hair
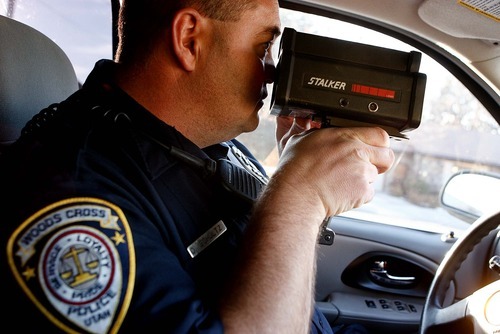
{"x":141,"y":22}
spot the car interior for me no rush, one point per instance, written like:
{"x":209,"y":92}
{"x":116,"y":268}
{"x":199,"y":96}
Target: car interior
{"x":424,"y":257}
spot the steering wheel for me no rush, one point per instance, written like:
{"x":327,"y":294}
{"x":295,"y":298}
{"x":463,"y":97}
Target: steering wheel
{"x":478,"y":307}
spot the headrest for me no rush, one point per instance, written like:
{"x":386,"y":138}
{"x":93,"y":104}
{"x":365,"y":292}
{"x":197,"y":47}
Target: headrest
{"x":34,"y":73}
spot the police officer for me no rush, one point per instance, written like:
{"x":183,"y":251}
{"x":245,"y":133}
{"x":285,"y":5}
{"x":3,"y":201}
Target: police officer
{"x":117,"y":216}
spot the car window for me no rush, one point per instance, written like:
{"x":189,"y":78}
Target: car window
{"x":456,"y":133}
{"x":82,"y":28}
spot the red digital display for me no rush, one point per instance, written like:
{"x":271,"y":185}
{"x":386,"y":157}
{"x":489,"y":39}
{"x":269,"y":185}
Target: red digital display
{"x":373,"y":91}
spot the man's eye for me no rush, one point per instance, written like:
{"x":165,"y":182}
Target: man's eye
{"x":265,"y":49}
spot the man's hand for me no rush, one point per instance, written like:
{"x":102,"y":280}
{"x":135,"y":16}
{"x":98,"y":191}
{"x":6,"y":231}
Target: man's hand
{"x":334,"y":167}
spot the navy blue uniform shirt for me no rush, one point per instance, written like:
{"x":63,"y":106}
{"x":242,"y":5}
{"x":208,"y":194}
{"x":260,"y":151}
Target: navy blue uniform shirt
{"x":105,"y":230}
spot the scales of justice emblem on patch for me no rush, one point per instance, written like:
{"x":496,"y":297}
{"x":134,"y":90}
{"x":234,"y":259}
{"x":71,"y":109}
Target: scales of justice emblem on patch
{"x":75,"y":260}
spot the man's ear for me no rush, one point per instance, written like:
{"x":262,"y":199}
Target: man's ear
{"x":186,"y":28}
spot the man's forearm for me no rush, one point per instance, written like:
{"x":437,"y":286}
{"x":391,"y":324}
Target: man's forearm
{"x":273,"y":287}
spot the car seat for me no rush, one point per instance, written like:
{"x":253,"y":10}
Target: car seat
{"x":34,"y":73}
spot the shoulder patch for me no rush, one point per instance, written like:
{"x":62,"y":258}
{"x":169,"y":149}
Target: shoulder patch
{"x":75,"y":260}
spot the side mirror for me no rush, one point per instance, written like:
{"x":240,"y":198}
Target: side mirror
{"x":470,"y":194}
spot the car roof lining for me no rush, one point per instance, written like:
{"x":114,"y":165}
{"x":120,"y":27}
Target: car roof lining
{"x":458,"y":20}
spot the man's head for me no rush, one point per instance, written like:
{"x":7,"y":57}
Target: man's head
{"x":142,"y":21}
{"x":201,"y":66}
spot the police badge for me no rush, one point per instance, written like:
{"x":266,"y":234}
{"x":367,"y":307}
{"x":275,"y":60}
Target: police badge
{"x":75,"y":260}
